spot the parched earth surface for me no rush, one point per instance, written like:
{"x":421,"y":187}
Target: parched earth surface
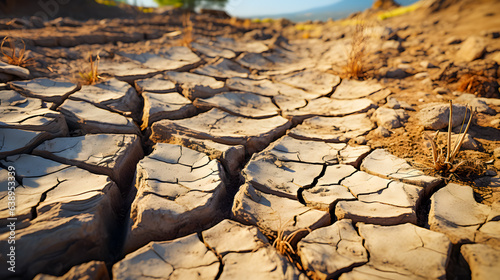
{"x":192,"y":162}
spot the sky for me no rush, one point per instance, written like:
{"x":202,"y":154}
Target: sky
{"x":249,"y":8}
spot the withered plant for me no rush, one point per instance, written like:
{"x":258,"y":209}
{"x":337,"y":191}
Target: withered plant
{"x":92,"y":76}
{"x":478,"y":84}
{"x":283,"y":242}
{"x":445,"y":162}
{"x":15,"y":56}
{"x":354,"y":69}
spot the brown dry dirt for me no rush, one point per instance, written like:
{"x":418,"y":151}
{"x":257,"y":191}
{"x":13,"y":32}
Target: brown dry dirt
{"x":61,"y":49}
{"x":432,"y":29}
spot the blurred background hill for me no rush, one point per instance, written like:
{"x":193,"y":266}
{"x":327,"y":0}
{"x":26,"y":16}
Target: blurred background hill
{"x":83,"y":9}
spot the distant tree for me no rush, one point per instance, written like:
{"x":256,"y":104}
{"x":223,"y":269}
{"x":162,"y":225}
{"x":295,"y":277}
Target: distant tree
{"x":192,"y":4}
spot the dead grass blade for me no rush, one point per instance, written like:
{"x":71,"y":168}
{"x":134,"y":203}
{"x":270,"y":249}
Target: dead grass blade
{"x":462,"y":136}
{"x":448,"y":147}
{"x":434,"y":148}
{"x":92,"y":76}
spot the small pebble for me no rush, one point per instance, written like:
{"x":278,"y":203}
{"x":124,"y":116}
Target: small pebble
{"x":402,"y":61}
{"x":427,"y":81}
{"x":427,"y":64}
{"x":422,"y":75}
{"x":382,"y":131}
{"x":453,"y":41}
{"x":394,"y":73}
{"x":441,"y":90}
{"x":405,"y":66}
{"x":360,"y":140}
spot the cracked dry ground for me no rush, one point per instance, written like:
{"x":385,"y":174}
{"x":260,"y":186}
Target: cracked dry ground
{"x":182,"y":166}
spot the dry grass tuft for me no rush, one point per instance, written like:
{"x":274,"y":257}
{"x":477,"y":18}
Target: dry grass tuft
{"x":445,"y":162}
{"x":16,"y":57}
{"x":284,"y":243}
{"x":187,"y":32}
{"x":92,"y":76}
{"x":478,"y":84}
{"x":354,"y":68}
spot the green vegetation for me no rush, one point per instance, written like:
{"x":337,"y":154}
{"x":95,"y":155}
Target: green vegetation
{"x":131,"y":2}
{"x":304,"y":27}
{"x":399,"y":11}
{"x":192,"y":4}
{"x":110,"y":2}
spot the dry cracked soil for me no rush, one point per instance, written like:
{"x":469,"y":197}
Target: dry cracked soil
{"x":248,"y":151}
